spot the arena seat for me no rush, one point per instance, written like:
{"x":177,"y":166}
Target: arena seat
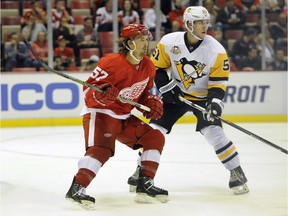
{"x":9,"y":5}
{"x":81,"y":7}
{"x":79,"y":20}
{"x":86,"y":53}
{"x":11,"y":20}
{"x":106,"y":42}
{"x":234,"y":34}
{"x":145,"y":4}
{"x":252,"y":19}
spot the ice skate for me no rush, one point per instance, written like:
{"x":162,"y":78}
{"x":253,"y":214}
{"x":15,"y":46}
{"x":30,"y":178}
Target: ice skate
{"x":133,"y":180}
{"x":238,"y":181}
{"x":77,"y":194}
{"x":146,"y":190}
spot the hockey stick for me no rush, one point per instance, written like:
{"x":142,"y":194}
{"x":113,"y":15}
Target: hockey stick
{"x":47,"y":68}
{"x":190,"y":103}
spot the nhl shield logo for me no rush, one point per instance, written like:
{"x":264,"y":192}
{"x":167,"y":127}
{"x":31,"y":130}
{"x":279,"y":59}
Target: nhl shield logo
{"x":175,"y":50}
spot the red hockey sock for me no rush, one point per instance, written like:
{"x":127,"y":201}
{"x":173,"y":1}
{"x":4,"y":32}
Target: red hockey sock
{"x":84,"y":177}
{"x":149,"y":168}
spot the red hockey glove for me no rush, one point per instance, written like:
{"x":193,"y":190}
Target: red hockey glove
{"x":108,"y":96}
{"x":156,"y":105}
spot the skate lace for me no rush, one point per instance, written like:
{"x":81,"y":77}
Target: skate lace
{"x":157,"y":188}
{"x":237,"y":175}
{"x":233,"y":176}
{"x":150,"y":182}
{"x":80,"y":192}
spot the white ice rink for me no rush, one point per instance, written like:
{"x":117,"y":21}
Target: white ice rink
{"x":38,"y":164}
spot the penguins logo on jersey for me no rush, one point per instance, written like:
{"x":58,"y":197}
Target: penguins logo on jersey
{"x":189,"y":71}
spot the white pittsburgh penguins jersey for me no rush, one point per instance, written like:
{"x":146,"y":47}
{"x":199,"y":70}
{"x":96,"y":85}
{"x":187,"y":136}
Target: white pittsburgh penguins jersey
{"x":196,"y":72}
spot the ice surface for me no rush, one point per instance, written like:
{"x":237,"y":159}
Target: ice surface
{"x":38,"y":164}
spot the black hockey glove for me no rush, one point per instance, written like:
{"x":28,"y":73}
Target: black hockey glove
{"x":171,"y":92}
{"x":214,"y":108}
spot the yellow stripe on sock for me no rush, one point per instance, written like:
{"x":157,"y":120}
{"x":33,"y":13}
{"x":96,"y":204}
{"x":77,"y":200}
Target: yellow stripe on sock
{"x":227,"y":153}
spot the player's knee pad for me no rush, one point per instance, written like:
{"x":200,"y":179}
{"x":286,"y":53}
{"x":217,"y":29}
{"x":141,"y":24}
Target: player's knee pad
{"x":215,"y":136}
{"x":153,"y":139}
{"x":100,"y":153}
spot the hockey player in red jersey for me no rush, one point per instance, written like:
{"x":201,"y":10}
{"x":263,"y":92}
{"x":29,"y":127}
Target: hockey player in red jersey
{"x":195,"y":66}
{"x":128,"y":74}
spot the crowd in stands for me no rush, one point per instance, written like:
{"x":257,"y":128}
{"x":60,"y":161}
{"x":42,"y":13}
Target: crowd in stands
{"x":78,"y":25}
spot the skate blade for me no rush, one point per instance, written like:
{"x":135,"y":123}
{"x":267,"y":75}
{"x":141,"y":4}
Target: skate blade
{"x":242,"y":189}
{"x":144,"y":198}
{"x":88,"y":205}
{"x":132,"y":188}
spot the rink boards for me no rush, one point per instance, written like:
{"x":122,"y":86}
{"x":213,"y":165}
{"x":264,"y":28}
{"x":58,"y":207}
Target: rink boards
{"x":32,"y":99}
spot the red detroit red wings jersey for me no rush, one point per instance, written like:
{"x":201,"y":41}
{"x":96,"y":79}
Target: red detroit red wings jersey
{"x":132,"y":83}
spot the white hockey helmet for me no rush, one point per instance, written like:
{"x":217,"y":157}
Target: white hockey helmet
{"x":195,"y":13}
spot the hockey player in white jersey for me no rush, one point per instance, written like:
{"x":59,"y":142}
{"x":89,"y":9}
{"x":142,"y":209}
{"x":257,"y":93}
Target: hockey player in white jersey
{"x":195,"y":66}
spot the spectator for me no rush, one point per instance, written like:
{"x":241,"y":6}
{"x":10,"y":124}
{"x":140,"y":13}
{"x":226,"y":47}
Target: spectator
{"x":127,"y":15}
{"x":86,"y":37}
{"x":40,"y":46}
{"x":91,"y":64}
{"x":58,"y":64}
{"x":273,"y":6}
{"x":138,"y":9}
{"x":150,"y":18}
{"x":65,"y":29}
{"x":213,"y":10}
{"x":60,"y":12}
{"x":268,"y":51}
{"x":65,"y":57}
{"x":250,"y":6}
{"x":241,"y":47}
{"x":104,"y":17}
{"x":279,"y":63}
{"x":16,"y":53}
{"x":38,"y":12}
{"x":32,"y":28}
{"x":278,"y":31}
{"x":166,"y":7}
{"x":231,"y":17}
{"x":176,"y":16}
{"x":251,"y":62}
{"x":219,"y":36}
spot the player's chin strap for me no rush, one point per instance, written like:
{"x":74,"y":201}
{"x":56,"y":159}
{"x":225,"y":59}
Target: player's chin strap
{"x":192,"y":31}
{"x":131,"y":52}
